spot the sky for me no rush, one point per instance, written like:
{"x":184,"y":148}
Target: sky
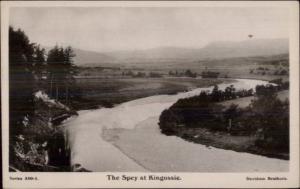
{"x":131,"y":28}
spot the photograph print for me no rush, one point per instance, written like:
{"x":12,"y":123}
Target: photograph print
{"x":149,"y":89}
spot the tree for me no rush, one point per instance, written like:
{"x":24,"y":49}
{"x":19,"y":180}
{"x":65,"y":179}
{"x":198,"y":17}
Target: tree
{"x":266,"y":91}
{"x":229,"y":92}
{"x":20,"y":76}
{"x":168,"y":121}
{"x":189,"y":73}
{"x":61,"y":70}
{"x":230,"y":114}
{"x":216,"y":94}
{"x":272,"y":117}
{"x":21,"y":83}
{"x":39,"y":65}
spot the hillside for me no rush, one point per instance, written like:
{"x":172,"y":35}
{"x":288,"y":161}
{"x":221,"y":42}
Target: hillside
{"x":215,"y":50}
{"x":89,"y":57}
{"x":253,"y":47}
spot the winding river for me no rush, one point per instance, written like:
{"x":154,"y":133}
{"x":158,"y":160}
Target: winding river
{"x":126,"y":138}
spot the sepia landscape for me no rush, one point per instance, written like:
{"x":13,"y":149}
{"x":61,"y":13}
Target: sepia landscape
{"x":148,"y":89}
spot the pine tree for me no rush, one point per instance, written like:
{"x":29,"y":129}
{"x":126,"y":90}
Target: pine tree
{"x":39,"y":66}
{"x":61,"y":71}
{"x":21,"y":83}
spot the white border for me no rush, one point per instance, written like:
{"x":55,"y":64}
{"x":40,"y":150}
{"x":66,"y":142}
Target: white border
{"x":209,"y":180}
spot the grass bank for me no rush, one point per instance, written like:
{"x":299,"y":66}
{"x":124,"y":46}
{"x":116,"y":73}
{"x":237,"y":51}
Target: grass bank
{"x":108,"y":92}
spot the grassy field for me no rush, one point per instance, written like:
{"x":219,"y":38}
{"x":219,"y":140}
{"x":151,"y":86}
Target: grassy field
{"x":263,"y":68}
{"x":244,"y":102}
{"x":108,"y":92}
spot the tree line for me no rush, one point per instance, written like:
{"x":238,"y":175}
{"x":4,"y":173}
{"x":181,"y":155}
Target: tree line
{"x":186,"y":73}
{"x":139,"y":74}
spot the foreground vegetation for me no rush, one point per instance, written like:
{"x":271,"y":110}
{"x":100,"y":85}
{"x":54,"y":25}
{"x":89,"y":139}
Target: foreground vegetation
{"x":261,"y":128}
{"x":39,"y":85}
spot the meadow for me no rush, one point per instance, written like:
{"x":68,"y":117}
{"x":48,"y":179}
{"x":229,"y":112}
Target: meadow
{"x":107,"y":92}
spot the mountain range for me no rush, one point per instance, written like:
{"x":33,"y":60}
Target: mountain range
{"x":214,"y":50}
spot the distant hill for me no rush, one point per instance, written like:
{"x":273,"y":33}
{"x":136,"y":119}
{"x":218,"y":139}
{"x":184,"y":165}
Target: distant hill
{"x":84,"y":58}
{"x":252,"y":47}
{"x":215,"y":50}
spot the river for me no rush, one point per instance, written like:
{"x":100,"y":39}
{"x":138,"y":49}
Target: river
{"x":127,"y":138}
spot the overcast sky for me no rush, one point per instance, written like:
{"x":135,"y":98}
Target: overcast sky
{"x":114,"y":28}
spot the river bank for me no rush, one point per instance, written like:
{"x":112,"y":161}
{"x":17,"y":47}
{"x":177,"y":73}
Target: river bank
{"x":159,"y":153}
{"x":226,"y":141}
{"x":42,"y":144}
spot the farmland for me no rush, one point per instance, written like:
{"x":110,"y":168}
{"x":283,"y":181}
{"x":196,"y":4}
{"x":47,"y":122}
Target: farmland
{"x":258,"y":67}
{"x":110,"y":91}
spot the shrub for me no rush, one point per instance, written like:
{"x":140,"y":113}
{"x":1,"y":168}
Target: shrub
{"x":266,"y":118}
